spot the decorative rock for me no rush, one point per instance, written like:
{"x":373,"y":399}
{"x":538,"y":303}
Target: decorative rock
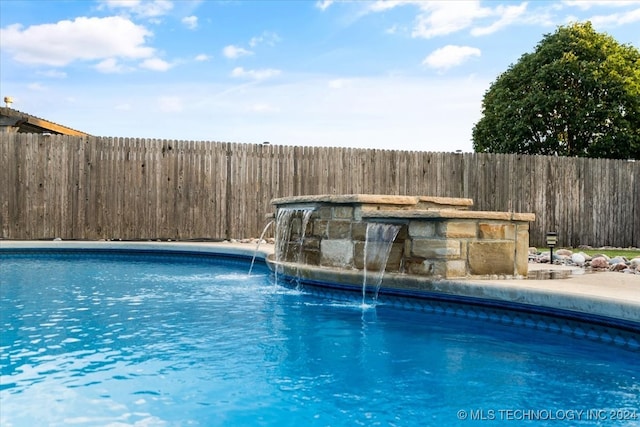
{"x":587,"y":257}
{"x":618,"y":260}
{"x":533,"y":250}
{"x":618,"y":267}
{"x":599,"y":262}
{"x":562,"y":259}
{"x":581,"y":259}
{"x":578,"y":259}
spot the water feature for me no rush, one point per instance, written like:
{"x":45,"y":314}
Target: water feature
{"x":288,"y":221}
{"x":306,"y":215}
{"x":377,"y":247}
{"x":448,"y":241}
{"x":260,"y":240}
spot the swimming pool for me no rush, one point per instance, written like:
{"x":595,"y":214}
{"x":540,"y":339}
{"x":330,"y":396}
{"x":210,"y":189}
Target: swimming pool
{"x":167,"y":339}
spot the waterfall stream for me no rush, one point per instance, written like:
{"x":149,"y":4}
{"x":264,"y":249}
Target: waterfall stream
{"x":264,"y":231}
{"x":285,"y":224}
{"x":377,"y":247}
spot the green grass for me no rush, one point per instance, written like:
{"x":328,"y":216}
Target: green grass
{"x":611,"y":253}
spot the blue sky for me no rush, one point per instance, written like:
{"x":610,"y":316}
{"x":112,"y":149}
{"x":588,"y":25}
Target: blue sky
{"x":406,"y":75}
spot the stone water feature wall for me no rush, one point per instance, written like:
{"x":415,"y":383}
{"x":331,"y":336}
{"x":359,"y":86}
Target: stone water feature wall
{"x":438,"y":237}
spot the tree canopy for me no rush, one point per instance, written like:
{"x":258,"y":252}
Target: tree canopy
{"x":577,"y":94}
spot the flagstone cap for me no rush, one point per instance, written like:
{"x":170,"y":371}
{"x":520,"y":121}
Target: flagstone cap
{"x":449,"y":214}
{"x":375,"y":206}
{"x":417,"y":202}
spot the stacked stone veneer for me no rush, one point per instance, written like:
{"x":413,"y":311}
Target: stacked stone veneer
{"x":439,"y":237}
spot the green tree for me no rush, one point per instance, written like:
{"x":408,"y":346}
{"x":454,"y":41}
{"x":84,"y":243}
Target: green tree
{"x":577,"y":94}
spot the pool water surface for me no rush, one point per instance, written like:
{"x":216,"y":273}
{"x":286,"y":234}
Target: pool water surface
{"x":114,"y":339}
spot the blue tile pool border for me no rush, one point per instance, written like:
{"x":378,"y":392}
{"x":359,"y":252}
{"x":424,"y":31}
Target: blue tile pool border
{"x":155,"y":254}
{"x":581,"y":325}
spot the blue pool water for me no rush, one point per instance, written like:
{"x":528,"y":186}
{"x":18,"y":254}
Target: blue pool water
{"x":169,"y":340}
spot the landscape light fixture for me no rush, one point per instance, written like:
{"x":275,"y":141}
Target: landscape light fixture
{"x":552,"y":240}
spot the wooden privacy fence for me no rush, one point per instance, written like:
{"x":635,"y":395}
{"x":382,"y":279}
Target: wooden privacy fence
{"x":130,"y":189}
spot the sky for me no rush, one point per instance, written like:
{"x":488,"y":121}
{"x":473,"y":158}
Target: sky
{"x":400,"y":75}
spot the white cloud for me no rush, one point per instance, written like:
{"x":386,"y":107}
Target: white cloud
{"x":323,"y":4}
{"x":142,"y":8}
{"x":234,"y":52}
{"x":36,"y":86}
{"x":507,"y":16}
{"x":267,"y":38}
{"x":585,"y":5}
{"x":155,"y":64}
{"x":191,"y":22}
{"x":439,"y":18}
{"x":262,"y":74}
{"x":616,"y":19}
{"x":392,"y":29}
{"x":542,"y":16}
{"x":382,"y":5}
{"x":111,"y":65}
{"x":81,"y":39}
{"x":202,"y":57}
{"x":55,"y":74}
{"x":450,"y":56}
{"x":123,"y":107}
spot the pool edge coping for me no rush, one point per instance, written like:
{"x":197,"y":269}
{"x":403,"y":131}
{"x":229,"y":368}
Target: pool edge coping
{"x":222,"y":248}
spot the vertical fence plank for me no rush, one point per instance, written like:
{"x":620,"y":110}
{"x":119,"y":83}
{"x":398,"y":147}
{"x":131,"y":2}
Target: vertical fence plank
{"x":7,"y":176}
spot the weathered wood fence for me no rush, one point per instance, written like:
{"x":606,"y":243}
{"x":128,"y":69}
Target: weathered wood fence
{"x":131,"y":189}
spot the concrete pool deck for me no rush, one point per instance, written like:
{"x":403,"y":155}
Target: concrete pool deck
{"x":607,"y":294}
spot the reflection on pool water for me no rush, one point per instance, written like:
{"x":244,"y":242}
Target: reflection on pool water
{"x":171,"y":340}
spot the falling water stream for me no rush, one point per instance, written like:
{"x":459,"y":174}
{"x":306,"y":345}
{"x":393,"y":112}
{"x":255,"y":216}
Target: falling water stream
{"x":377,"y":247}
{"x":306,"y":215}
{"x":264,"y":231}
{"x":284,"y":226}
